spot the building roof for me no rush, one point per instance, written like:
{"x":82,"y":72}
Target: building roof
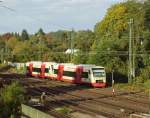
{"x":69,"y":51}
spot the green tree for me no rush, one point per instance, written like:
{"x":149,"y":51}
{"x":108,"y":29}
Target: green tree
{"x":24,"y":35}
{"x":80,"y":57}
{"x":147,"y":14}
{"x":83,"y":40}
{"x":40,"y":32}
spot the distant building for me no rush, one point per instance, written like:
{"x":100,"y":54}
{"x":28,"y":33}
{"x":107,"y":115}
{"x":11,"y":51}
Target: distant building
{"x":71,"y":51}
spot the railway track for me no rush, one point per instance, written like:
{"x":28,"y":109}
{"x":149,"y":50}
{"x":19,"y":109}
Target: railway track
{"x":82,"y":100}
{"x":100,"y":101}
{"x":122,"y":95}
{"x":54,"y":102}
{"x":49,"y":108}
{"x":111,"y":101}
{"x":81,"y":107}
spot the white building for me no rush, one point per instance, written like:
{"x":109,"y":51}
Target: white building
{"x":71,"y":51}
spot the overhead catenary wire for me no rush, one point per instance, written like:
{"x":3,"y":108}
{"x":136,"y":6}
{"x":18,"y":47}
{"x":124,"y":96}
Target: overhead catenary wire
{"x":33,"y":18}
{"x":13,"y":10}
{"x":4,"y":6}
{"x":97,"y":52}
{"x":39,"y":20}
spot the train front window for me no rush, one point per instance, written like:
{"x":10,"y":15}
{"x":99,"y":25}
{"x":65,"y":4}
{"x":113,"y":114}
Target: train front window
{"x":98,"y":72}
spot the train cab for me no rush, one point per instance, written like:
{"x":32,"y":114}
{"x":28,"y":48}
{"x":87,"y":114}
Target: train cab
{"x":98,"y":76}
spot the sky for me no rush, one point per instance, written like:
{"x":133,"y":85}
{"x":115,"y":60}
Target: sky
{"x":51,"y":15}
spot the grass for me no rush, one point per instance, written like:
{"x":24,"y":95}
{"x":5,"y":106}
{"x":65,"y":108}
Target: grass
{"x":7,"y":68}
{"x":15,"y":70}
{"x":2,"y":65}
{"x":134,"y":86}
{"x":64,"y":110}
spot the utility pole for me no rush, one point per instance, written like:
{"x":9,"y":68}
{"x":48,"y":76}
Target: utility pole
{"x":2,"y":55}
{"x":71,"y":45}
{"x":1,"y":50}
{"x":6,"y":52}
{"x":40,"y":47}
{"x":131,"y":55}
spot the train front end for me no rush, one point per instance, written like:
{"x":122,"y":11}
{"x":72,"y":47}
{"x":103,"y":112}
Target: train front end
{"x":98,"y":76}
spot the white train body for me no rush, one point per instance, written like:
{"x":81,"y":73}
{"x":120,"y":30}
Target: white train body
{"x":79,"y":74}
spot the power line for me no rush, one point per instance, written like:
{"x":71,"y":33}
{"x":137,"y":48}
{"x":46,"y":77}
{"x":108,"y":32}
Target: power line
{"x":97,"y":52}
{"x":33,"y":18}
{"x":7,"y":8}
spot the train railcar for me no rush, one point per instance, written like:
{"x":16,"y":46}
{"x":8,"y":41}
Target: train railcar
{"x":78,"y":74}
{"x":47,"y":69}
{"x":29,"y":67}
{"x":40,"y":69}
{"x":33,"y":68}
{"x":81,"y":74}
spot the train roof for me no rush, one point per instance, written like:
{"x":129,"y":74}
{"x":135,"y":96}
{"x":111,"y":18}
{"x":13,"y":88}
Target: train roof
{"x":98,"y":67}
{"x":48,"y":62}
{"x":86,"y":66}
{"x":34,"y":62}
{"x":70,"y":65}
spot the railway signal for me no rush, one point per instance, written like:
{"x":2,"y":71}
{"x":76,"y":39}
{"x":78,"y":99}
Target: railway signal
{"x":113,"y":82}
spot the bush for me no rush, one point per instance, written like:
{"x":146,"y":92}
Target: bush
{"x":145,"y":73}
{"x":11,"y":98}
{"x":143,"y":76}
{"x":147,"y":84}
{"x":64,"y":110}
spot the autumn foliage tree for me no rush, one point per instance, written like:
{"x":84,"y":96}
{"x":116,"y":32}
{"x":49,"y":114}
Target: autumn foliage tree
{"x":113,"y":33}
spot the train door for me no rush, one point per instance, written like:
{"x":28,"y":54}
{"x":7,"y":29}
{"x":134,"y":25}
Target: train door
{"x":78,"y":77}
{"x":30,"y":69}
{"x":60,"y":72}
{"x":90,"y":77}
{"x":42,"y":73}
{"x":51,"y":69}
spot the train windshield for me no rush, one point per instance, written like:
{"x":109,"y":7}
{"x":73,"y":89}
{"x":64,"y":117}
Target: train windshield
{"x":98,"y":72}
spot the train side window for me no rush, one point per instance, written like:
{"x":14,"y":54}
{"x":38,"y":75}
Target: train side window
{"x":85,"y":75}
{"x":55,"y":71}
{"x":52,"y":67}
{"x":27,"y":68}
{"x":89,"y":72}
{"x":46,"y":70}
{"x":36,"y":70}
{"x":68,"y":73}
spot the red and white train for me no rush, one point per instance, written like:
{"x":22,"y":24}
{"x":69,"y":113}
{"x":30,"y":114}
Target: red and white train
{"x":78,"y":74}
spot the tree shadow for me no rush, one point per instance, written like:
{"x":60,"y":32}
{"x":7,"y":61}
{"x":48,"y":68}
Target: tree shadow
{"x":12,"y":76}
{"x":5,"y":68}
{"x":118,"y":78}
